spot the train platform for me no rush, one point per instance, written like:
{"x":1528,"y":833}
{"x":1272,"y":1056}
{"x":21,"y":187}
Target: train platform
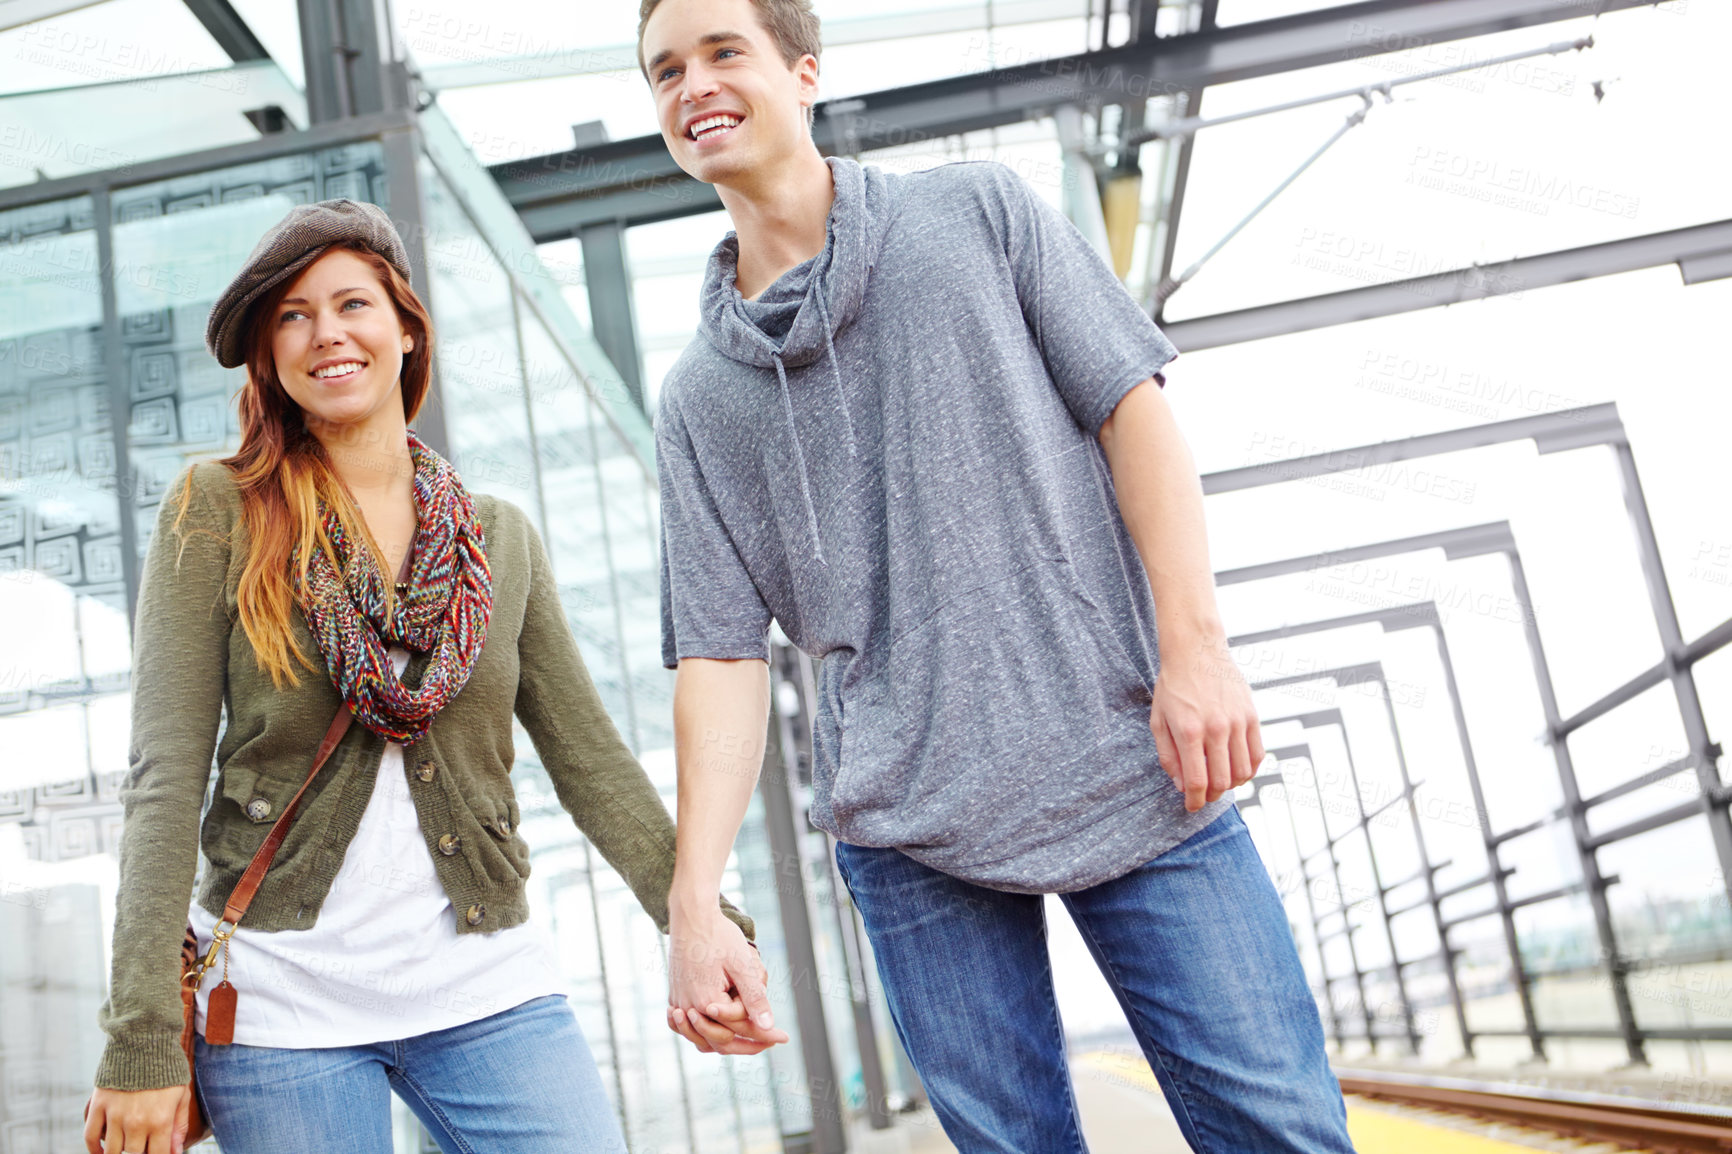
{"x":1124,"y":1112}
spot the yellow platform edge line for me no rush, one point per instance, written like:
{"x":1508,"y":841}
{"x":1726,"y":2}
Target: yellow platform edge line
{"x":1372,"y":1131}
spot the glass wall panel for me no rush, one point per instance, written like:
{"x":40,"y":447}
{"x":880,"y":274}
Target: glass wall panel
{"x":70,"y":132}
{"x":584,"y":542}
{"x":634,"y":546}
{"x":577,"y":541}
{"x":480,"y":362}
{"x":63,"y":668}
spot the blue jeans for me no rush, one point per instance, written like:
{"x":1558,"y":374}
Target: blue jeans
{"x":1194,"y":943}
{"x":517,"y":1082}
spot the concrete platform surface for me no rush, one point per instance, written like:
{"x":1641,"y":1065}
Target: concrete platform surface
{"x":1124,"y":1112}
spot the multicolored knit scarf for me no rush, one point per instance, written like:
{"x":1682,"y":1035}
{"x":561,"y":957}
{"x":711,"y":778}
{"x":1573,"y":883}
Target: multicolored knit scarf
{"x":445,"y":611}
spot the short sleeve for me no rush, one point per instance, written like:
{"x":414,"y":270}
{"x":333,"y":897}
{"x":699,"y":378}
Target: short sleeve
{"x":710,"y":605}
{"x":1097,"y":341}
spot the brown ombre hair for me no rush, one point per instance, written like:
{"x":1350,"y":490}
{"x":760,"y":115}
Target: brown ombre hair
{"x":283,"y":472}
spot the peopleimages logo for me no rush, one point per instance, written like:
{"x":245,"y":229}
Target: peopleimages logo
{"x":1521,"y":187}
{"x":100,"y":58}
{"x":27,"y":148}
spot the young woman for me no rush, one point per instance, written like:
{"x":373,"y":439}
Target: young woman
{"x":336,"y":562}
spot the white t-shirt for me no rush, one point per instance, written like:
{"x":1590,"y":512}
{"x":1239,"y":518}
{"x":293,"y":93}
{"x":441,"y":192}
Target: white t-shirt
{"x":384,"y":961}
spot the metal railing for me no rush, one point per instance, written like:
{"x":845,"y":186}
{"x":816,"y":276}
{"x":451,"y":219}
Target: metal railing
{"x":1596,"y":425}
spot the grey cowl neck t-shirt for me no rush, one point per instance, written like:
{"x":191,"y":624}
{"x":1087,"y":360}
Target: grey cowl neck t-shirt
{"x":892,"y":452}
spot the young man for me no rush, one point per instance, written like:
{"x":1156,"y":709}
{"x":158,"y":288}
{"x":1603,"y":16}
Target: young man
{"x":922,"y":429}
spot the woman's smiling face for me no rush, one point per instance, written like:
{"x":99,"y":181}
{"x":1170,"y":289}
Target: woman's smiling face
{"x":338,"y":342}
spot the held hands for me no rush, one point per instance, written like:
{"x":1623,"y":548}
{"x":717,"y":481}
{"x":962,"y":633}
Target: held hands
{"x":138,"y":1122}
{"x":1204,"y":722}
{"x":716,"y":995}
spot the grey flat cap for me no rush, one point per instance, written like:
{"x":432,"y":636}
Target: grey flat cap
{"x":287,"y":249}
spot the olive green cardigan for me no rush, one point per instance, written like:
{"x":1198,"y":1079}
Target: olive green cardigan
{"x":191,"y":658}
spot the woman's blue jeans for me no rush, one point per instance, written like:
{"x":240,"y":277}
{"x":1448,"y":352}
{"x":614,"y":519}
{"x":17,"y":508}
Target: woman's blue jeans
{"x":1196,"y":945}
{"x":521,"y":1081}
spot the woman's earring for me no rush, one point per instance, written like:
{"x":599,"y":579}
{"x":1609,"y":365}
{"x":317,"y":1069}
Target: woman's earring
{"x":408,"y":344}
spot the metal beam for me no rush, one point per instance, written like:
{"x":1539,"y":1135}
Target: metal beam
{"x":114,"y":371}
{"x":1179,"y":180}
{"x":188,"y":163}
{"x":228,"y":29}
{"x":348,"y":50}
{"x":1692,"y":248}
{"x":777,"y":783}
{"x":607,"y":277}
{"x":1550,"y":432}
{"x":1082,"y":191}
{"x":560,"y":62}
{"x":636,"y":181}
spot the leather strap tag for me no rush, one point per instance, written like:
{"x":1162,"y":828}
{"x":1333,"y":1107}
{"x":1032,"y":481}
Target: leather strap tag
{"x":219,"y":1015}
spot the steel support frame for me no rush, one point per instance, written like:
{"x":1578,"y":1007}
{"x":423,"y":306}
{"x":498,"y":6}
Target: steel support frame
{"x":613,"y":319}
{"x":1143,"y":15}
{"x":1343,"y":677}
{"x":851,"y":931}
{"x":1258,"y":784}
{"x":1191,"y":104}
{"x":401,"y":145}
{"x":1556,"y":432}
{"x":637,"y":182}
{"x":1457,"y":544}
{"x":228,"y":29}
{"x":776,"y":785}
{"x":1283,"y":755}
{"x":348,"y":48}
{"x":1334,"y":717}
{"x":1082,"y":190}
{"x":1697,"y":250}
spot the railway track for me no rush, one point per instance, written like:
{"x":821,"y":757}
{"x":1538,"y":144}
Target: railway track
{"x":1636,"y":1124}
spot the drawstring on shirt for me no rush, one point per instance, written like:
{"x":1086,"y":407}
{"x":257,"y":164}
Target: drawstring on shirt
{"x":835,"y":370}
{"x":794,"y":433}
{"x":800,"y":461}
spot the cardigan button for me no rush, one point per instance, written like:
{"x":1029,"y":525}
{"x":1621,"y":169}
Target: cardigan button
{"x":475,"y":915}
{"x":505,"y":826}
{"x":258,"y":809}
{"x":425,"y":771}
{"x":450,"y":844}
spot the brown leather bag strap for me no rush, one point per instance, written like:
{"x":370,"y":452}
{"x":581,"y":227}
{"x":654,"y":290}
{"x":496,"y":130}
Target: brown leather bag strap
{"x":242,"y":897}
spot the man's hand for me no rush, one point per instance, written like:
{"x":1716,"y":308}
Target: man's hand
{"x":1203,"y":719}
{"x":716,"y":986}
{"x":1204,"y":722}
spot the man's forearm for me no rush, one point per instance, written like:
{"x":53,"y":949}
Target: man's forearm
{"x":1161,"y":499}
{"x":721,"y":711}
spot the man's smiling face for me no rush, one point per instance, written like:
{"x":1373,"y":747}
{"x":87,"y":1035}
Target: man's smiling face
{"x":726,"y":102}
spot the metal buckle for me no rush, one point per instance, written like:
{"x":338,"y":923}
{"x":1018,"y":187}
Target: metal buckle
{"x":219,"y":939}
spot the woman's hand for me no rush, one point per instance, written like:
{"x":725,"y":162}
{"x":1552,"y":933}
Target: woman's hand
{"x":716,"y":994}
{"x":139,"y":1121}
